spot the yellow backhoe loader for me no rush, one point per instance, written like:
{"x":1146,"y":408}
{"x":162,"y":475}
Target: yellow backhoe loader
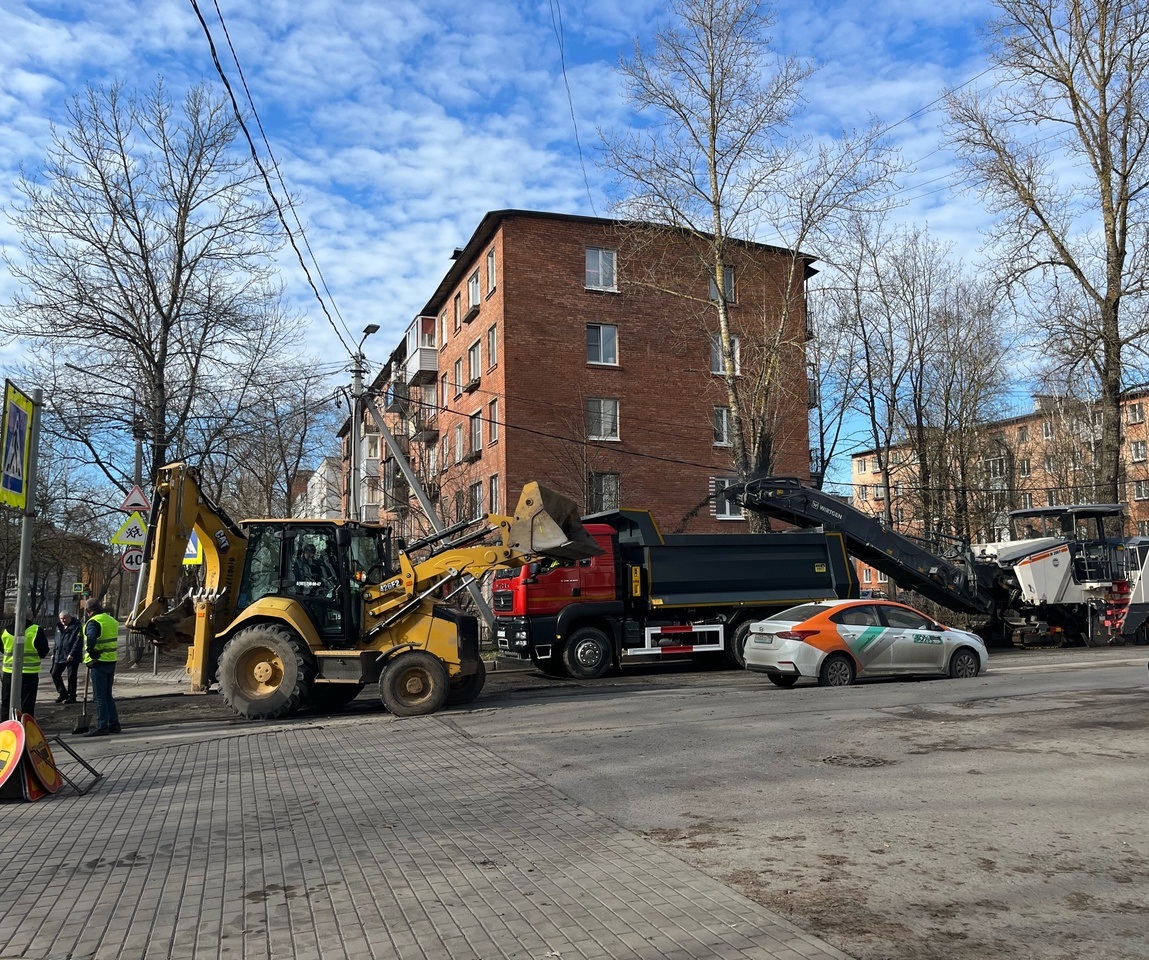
{"x":304,"y":613}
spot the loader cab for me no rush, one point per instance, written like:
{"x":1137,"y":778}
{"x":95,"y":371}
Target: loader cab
{"x":321,"y":565}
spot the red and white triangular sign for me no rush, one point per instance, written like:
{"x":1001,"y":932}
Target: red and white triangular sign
{"x":135,"y":500}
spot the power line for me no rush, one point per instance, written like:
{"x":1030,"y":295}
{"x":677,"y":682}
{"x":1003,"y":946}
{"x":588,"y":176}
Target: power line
{"x":557,"y":26}
{"x":263,"y":174}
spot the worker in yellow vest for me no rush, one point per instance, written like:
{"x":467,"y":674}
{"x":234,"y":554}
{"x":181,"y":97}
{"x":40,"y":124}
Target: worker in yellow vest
{"x":100,"y":646}
{"x":35,"y":648}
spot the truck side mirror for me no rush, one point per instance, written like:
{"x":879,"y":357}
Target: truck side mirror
{"x":585,"y":562}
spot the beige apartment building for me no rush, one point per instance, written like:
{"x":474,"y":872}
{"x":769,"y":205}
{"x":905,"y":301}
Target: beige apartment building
{"x":1046,"y":457}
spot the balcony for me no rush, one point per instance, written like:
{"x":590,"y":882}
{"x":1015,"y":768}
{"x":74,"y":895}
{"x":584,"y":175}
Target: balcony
{"x":471,"y":314}
{"x":422,"y":366}
{"x":424,"y":428}
{"x":395,"y":399}
{"x":471,"y":385}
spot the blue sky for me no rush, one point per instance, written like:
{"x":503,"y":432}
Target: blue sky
{"x":397,"y":124}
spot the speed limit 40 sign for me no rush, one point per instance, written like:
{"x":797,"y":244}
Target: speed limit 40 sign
{"x":132,"y":560}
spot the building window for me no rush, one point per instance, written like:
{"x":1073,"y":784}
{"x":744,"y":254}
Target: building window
{"x":716,"y":366}
{"x":867,"y":575}
{"x":727,"y":283}
{"x":1049,"y":464}
{"x":722,"y":426}
{"x":371,"y":446}
{"x":476,"y":426}
{"x":1047,"y":429}
{"x":602,"y":418}
{"x":604,"y":492}
{"x":860,"y":465}
{"x":1022,"y":434}
{"x":1143,"y":528}
{"x":1138,"y":448}
{"x":995,"y":468}
{"x":458,"y":443}
{"x":475,"y":500}
{"x":492,"y":346}
{"x":602,"y":343}
{"x":491,"y":275}
{"x":1141,"y":490}
{"x":493,"y":419}
{"x":600,"y":269}
{"x":493,"y":503}
{"x":863,"y":492}
{"x":1027,"y":501}
{"x":443,"y":391}
{"x":473,"y":289}
{"x":883,"y":577}
{"x":474,"y":361}
{"x":443,"y":329}
{"x":1023,"y":468}
{"x":371,"y":486}
{"x":457,"y":309}
{"x":725,"y":507}
{"x":875,"y":466}
{"x":458,"y":376}
{"x":1136,"y":413}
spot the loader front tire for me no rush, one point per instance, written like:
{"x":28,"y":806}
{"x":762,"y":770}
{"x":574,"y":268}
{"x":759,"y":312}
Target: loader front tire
{"x":414,"y":684}
{"x":466,"y":689}
{"x":264,"y":672}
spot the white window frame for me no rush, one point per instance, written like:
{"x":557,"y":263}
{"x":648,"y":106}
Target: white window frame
{"x":473,"y":295}
{"x":1047,"y":429}
{"x":474,"y":360}
{"x":1027,"y":501}
{"x":458,"y":371}
{"x":492,"y":272}
{"x":601,"y":418}
{"x":492,"y":346}
{"x":722,"y":427}
{"x":716,"y":354}
{"x":601,"y":269}
{"x":458,"y":458}
{"x":867,"y":575}
{"x":1023,"y":469}
{"x":728,"y":283}
{"x":597,"y":484}
{"x":475,"y":428}
{"x":475,"y":500}
{"x":1141,"y":489}
{"x":724,"y":509}
{"x":493,"y":420}
{"x":1023,"y":434}
{"x":1137,"y":451}
{"x":600,"y":327}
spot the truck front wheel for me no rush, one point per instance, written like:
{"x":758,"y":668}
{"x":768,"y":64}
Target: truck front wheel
{"x":587,"y":653}
{"x":413,"y":684}
{"x":264,"y":672}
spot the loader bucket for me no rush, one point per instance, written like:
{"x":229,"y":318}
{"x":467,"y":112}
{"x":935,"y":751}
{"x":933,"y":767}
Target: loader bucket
{"x":548,"y":524}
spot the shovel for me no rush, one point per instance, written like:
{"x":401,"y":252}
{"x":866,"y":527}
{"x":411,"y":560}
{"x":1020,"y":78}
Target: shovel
{"x":84,"y":722}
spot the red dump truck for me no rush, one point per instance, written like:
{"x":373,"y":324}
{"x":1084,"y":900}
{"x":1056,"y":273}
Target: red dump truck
{"x":649,"y":595}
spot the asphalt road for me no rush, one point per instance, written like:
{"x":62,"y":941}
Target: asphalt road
{"x":996,"y":817}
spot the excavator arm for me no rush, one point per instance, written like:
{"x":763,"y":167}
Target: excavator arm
{"x":180,"y":507}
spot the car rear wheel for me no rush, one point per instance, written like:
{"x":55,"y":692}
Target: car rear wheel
{"x":783,"y":680}
{"x":837,"y":671}
{"x":964,"y":664}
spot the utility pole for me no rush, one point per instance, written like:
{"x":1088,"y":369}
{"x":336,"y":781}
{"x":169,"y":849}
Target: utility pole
{"x":358,"y":365}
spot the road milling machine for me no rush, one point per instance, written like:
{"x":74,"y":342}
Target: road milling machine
{"x":304,"y":613}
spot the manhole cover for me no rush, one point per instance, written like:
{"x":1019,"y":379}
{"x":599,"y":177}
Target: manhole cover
{"x":848,"y":760}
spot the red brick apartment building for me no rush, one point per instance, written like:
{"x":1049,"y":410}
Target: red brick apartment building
{"x":541,"y":357}
{"x":1046,"y":457}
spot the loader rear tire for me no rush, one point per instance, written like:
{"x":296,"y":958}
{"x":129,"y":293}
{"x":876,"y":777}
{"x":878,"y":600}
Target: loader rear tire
{"x":413,"y":684}
{"x":466,"y":689}
{"x":264,"y":672}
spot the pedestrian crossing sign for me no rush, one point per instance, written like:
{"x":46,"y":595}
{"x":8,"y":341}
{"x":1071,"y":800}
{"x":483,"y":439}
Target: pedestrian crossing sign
{"x":16,"y":437}
{"x":193,"y":553}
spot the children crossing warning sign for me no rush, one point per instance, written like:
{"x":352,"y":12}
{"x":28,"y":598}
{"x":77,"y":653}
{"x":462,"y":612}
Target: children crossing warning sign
{"x":132,"y":533}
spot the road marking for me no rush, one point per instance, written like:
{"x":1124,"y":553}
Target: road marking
{"x":1067,"y":665}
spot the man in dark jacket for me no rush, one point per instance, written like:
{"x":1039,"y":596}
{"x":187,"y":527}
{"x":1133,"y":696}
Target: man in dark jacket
{"x":66,"y":656}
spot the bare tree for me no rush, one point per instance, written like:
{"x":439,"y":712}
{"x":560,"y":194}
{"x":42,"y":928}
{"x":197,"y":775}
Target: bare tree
{"x":716,"y":163}
{"x":1058,"y":148}
{"x":146,"y":246}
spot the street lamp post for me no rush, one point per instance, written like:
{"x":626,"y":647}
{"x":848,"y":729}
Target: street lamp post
{"x":358,"y":366}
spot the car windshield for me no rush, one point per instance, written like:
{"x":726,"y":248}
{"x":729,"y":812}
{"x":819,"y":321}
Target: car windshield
{"x":797,"y":614}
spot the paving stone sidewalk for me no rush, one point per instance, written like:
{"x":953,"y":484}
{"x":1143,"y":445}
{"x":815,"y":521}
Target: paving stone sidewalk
{"x":372,"y":838}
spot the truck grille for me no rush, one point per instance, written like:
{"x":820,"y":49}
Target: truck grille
{"x":503,"y":601}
